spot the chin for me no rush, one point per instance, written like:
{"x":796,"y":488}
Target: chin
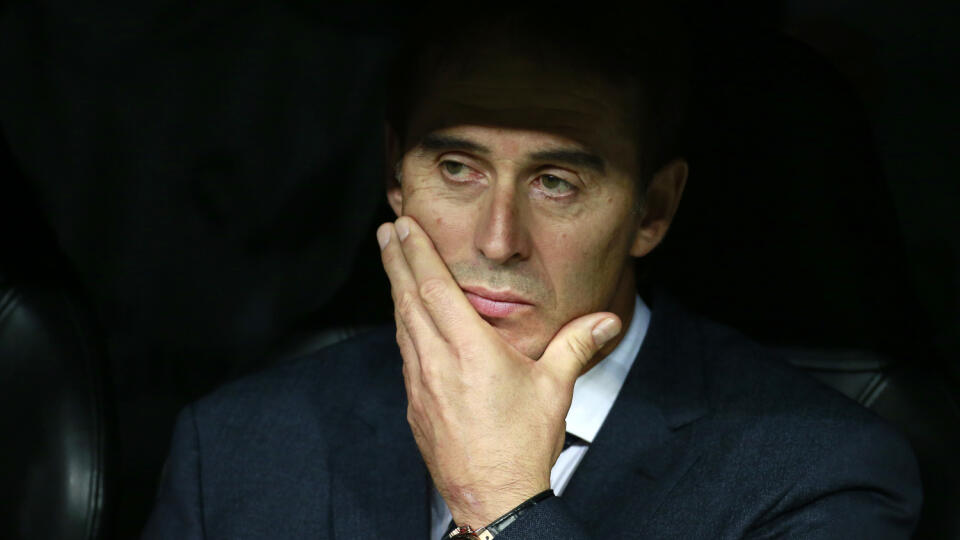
{"x":530,"y":344}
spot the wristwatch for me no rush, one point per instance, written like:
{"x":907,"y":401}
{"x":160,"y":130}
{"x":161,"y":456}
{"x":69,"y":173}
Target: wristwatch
{"x":465,"y":532}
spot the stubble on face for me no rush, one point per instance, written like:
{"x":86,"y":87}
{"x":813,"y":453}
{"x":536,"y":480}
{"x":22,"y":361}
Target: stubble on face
{"x":522,"y":282}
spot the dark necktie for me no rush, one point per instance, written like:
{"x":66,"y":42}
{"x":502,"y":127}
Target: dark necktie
{"x":569,"y":440}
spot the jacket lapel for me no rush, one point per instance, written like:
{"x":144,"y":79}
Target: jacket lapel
{"x":649,"y":439}
{"x":379,"y":481}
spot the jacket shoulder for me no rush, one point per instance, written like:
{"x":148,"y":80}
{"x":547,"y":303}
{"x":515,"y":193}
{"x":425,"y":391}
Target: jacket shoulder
{"x":310,"y":388}
{"x":747,"y":380}
{"x":801,"y":438}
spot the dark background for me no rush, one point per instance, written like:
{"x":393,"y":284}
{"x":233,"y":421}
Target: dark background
{"x":211,"y":175}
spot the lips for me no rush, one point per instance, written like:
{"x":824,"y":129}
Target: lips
{"x":495,"y":304}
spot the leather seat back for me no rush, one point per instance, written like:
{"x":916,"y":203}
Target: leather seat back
{"x":55,"y":466}
{"x":56,"y":462}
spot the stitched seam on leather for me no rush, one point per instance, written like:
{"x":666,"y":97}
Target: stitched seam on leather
{"x":878,"y":383}
{"x":95,"y":492}
{"x":8,"y":302}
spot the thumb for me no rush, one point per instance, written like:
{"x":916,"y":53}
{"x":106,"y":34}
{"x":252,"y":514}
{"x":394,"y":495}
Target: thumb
{"x":576,"y":344}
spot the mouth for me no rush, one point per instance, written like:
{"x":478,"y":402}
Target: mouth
{"x":495,"y":304}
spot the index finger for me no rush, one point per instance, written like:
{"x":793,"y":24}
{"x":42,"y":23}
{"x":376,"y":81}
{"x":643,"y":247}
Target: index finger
{"x":449,"y":308}
{"x":427,"y":340}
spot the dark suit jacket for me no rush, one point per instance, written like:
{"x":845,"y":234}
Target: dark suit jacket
{"x":710,"y":437}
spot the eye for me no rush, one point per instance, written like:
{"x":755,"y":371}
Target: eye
{"x":554,"y":186}
{"x":453,"y":167}
{"x":458,"y":172}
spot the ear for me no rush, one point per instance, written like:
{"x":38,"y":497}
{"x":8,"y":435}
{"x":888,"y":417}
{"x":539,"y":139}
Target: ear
{"x":660,"y":205}
{"x":391,"y":167}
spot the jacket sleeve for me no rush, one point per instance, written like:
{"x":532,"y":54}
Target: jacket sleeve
{"x":548,"y":520}
{"x":868,"y":488}
{"x":177,"y":513}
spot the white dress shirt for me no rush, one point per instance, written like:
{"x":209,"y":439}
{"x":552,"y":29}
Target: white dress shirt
{"x":593,"y":397}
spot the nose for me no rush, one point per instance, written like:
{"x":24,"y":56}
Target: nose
{"x":501,"y":234}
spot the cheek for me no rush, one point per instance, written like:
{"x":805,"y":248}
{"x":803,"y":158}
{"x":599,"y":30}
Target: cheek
{"x":585,"y":263}
{"x":447,"y":223}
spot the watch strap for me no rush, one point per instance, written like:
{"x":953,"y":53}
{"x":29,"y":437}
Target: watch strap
{"x":501,"y":523}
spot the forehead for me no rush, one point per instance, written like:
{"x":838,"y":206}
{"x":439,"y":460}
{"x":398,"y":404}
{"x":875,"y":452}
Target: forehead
{"x":561,"y":103}
{"x":511,"y":144}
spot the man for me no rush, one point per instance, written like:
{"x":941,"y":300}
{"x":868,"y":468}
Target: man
{"x":534,"y":163}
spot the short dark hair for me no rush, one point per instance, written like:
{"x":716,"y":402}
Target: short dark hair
{"x":646,"y":48}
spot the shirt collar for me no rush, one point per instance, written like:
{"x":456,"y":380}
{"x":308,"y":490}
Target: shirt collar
{"x":595,"y":391}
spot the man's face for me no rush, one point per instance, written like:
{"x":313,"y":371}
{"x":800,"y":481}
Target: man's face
{"x":525,"y":178}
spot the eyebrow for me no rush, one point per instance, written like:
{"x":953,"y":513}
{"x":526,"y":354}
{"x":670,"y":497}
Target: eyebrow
{"x":434,"y":142}
{"x":576,"y":158}
{"x":444,"y":143}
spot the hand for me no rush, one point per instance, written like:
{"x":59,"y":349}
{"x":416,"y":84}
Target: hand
{"x":489,"y":421}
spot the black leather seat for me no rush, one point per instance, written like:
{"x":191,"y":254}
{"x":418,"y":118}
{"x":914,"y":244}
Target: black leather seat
{"x":56,"y":462}
{"x":787,"y":232}
{"x":55,"y":466}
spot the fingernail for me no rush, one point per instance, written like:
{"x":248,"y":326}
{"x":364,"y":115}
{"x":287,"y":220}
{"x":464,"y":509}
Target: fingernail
{"x":605,"y":331}
{"x":403,"y":229}
{"x":383,"y":236}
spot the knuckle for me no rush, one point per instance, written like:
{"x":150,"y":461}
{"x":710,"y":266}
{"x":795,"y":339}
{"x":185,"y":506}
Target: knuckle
{"x":403,"y":336}
{"x":388,"y":257}
{"x":469,"y":350}
{"x":429,"y":373}
{"x":433,"y":291}
{"x":406,"y":304}
{"x":412,"y":414}
{"x":580,"y":348}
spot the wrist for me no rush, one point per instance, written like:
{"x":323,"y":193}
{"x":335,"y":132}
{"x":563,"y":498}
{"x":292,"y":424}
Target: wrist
{"x":492,"y":529}
{"x":478,"y":509}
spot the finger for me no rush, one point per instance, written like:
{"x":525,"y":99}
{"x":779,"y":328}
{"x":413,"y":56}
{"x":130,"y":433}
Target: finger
{"x":577,"y":343}
{"x":406,"y":300}
{"x":411,"y":361}
{"x":448,"y":307}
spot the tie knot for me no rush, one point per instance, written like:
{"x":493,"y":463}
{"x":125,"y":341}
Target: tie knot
{"x":570,"y":440}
